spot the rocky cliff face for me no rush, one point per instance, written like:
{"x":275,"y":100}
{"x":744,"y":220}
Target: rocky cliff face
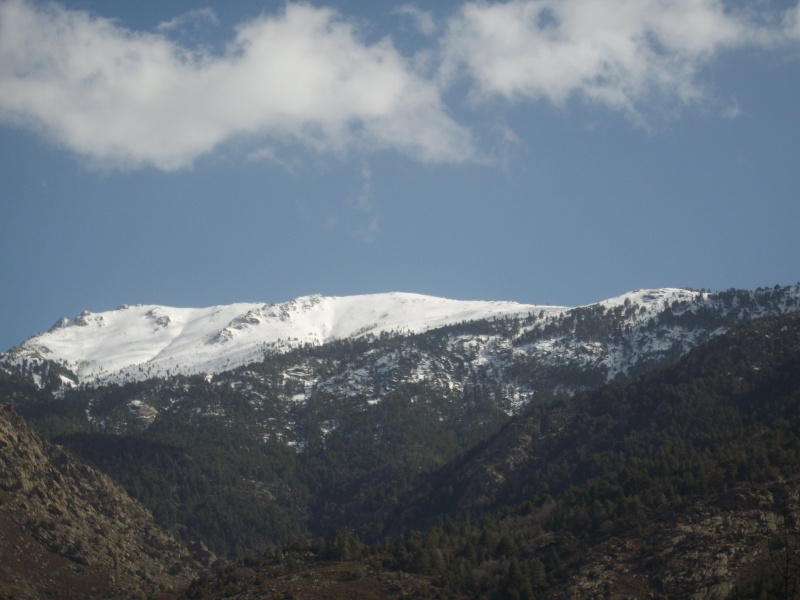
{"x":67,"y":530}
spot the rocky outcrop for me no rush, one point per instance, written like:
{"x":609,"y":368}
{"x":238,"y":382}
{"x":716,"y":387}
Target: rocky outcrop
{"x":67,"y":531}
{"x":709,"y":551}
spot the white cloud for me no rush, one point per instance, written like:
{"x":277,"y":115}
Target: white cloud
{"x":619,"y":53}
{"x":305,"y":78}
{"x":129,"y":99}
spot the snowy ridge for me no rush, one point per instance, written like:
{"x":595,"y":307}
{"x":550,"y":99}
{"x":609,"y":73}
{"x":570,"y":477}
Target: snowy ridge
{"x":460,"y":358}
{"x":560,"y":348}
{"x":138,"y":342}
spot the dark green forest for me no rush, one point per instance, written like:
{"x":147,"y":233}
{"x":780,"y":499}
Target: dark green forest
{"x":715,"y":436}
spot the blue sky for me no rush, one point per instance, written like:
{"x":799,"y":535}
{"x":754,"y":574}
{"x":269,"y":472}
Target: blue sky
{"x":544,"y":151}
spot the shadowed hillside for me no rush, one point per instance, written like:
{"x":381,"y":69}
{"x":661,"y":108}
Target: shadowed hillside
{"x":67,"y":531}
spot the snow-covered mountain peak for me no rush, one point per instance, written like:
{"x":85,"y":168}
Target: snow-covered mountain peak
{"x":136,"y":342}
{"x":532,"y":346}
{"x":655,"y":297}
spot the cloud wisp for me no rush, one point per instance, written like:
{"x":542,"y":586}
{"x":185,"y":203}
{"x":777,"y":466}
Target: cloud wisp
{"x":127,"y":100}
{"x":791,"y":23}
{"x":200,"y":15}
{"x":422,"y":19}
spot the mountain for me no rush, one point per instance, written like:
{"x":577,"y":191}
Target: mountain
{"x":329,"y":355}
{"x":138,"y":342}
{"x":313,"y":436}
{"x":681,"y":483}
{"x":619,"y":336}
{"x":67,"y":531}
